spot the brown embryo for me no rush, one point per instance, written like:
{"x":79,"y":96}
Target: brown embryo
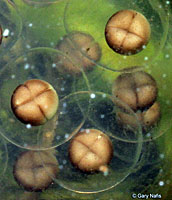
{"x":91,"y":150}
{"x":35,"y":170}
{"x":79,"y":51}
{"x":34,"y":102}
{"x":127,"y":32}
{"x":146,"y":118}
{"x":139,"y":91}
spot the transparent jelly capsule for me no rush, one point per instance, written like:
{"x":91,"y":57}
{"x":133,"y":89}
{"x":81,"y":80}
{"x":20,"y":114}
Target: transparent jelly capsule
{"x":119,"y":121}
{"x":11,"y":25}
{"x":124,"y":159}
{"x":73,"y":105}
{"x":94,"y":21}
{"x":105,"y":109}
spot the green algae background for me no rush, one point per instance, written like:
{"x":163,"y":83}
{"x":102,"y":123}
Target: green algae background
{"x":43,"y":26}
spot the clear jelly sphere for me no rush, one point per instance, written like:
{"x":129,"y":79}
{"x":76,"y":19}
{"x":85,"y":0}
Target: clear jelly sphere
{"x":71,"y":112}
{"x":125,"y":154}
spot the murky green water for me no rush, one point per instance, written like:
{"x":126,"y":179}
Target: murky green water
{"x":32,"y":33}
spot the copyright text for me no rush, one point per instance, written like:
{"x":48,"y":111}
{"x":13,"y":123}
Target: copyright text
{"x":146,"y":196}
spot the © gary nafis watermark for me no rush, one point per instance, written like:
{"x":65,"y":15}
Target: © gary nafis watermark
{"x":146,"y":196}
